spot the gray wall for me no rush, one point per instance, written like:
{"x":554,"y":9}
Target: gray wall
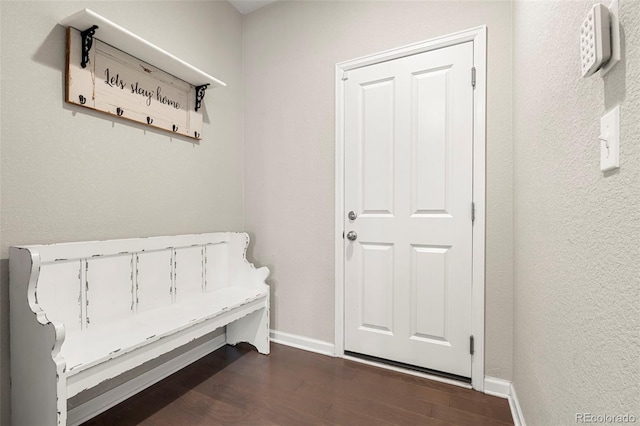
{"x":290,"y":51}
{"x":72,"y":175}
{"x":577,"y":250}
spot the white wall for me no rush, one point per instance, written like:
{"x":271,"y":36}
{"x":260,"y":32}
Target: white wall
{"x":290,"y":50}
{"x":577,"y":230}
{"x":69,"y":175}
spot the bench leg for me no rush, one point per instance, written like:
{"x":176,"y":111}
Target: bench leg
{"x":253,"y":328}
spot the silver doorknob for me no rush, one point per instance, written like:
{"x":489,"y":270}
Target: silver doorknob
{"x":352,"y":215}
{"x":352,"y":236}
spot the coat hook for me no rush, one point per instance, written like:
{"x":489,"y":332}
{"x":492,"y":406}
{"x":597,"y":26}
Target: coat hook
{"x":197,"y":135}
{"x":175,"y":128}
{"x":119,"y":111}
{"x":149,"y":120}
{"x":83,"y":100}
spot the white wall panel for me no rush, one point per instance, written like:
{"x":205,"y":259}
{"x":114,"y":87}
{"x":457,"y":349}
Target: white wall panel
{"x":153,"y":280}
{"x":217,"y":270}
{"x":189,"y":272}
{"x":60,"y":282}
{"x":115,"y":296}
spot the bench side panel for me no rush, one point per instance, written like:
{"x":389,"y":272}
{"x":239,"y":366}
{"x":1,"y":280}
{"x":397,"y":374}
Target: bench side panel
{"x":38,"y":382}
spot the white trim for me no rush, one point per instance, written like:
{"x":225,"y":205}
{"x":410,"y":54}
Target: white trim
{"x":479,"y":37}
{"x":497,"y":387}
{"x":114,"y":396}
{"x":479,"y":196}
{"x":301,"y":342}
{"x":505,"y":389}
{"x":407,"y":371}
{"x":415,"y":48}
{"x":516,"y":410}
{"x":339,"y":214}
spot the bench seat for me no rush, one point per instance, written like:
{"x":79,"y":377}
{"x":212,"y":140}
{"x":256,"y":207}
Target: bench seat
{"x":103,"y":345}
{"x":83,"y":313}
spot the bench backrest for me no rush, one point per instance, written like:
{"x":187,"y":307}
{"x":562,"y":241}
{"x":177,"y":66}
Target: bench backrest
{"x":88,"y":284}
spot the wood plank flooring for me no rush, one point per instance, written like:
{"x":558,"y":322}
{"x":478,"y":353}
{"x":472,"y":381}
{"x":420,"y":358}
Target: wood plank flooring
{"x":238,"y":386}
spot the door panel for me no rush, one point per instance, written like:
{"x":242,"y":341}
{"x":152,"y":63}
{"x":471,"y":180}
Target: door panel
{"x":429,"y":142}
{"x":429,"y":292}
{"x":408,"y":176}
{"x":377,"y":126}
{"x":377,"y":294}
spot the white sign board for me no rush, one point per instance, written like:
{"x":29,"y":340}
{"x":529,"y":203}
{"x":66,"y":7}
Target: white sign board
{"x":116,"y":83}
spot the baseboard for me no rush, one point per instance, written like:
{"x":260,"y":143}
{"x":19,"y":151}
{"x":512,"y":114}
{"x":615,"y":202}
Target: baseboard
{"x":504,"y":389}
{"x":497,"y":387}
{"x":126,"y":390}
{"x":301,"y":342}
{"x":516,"y":410}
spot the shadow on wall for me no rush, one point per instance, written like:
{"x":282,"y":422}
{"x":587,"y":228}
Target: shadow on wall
{"x":5,"y":365}
{"x":271,"y":281}
{"x":615,"y":86}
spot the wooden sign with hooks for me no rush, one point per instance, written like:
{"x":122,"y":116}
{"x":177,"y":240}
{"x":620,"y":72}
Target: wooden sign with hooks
{"x":129,"y":84}
{"x":119,"y":84}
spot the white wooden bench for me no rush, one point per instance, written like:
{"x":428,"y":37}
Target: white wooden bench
{"x":82,"y":313}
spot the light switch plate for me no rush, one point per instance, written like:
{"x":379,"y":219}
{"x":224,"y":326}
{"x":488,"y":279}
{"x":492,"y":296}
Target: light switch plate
{"x":610,"y":140}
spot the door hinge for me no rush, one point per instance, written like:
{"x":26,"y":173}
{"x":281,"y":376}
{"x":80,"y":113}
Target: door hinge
{"x":345,"y":76}
{"x":473,"y":212}
{"x":471,"y":345}
{"x":473,"y":77}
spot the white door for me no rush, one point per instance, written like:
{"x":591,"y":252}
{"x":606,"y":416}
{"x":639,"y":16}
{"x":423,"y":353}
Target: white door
{"x":408,"y":179}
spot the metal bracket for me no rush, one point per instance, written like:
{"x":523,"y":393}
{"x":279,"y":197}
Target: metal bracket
{"x":200,"y":91}
{"x":87,"y":42}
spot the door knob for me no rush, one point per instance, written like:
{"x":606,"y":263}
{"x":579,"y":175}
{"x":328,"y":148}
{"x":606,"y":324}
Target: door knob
{"x":352,"y":236}
{"x":352,"y":215}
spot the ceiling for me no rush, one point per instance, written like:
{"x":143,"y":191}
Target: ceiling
{"x":247,"y":6}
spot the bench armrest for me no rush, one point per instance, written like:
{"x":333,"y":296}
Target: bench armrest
{"x":242,"y":272}
{"x":37,"y":368}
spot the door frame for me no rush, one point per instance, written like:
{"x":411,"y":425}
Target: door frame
{"x":478,"y":36}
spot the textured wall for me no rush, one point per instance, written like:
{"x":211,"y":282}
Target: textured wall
{"x":577,"y":250}
{"x":69,"y":174}
{"x":290,"y":50}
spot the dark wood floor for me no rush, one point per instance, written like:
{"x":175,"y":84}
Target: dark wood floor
{"x":238,"y":386}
